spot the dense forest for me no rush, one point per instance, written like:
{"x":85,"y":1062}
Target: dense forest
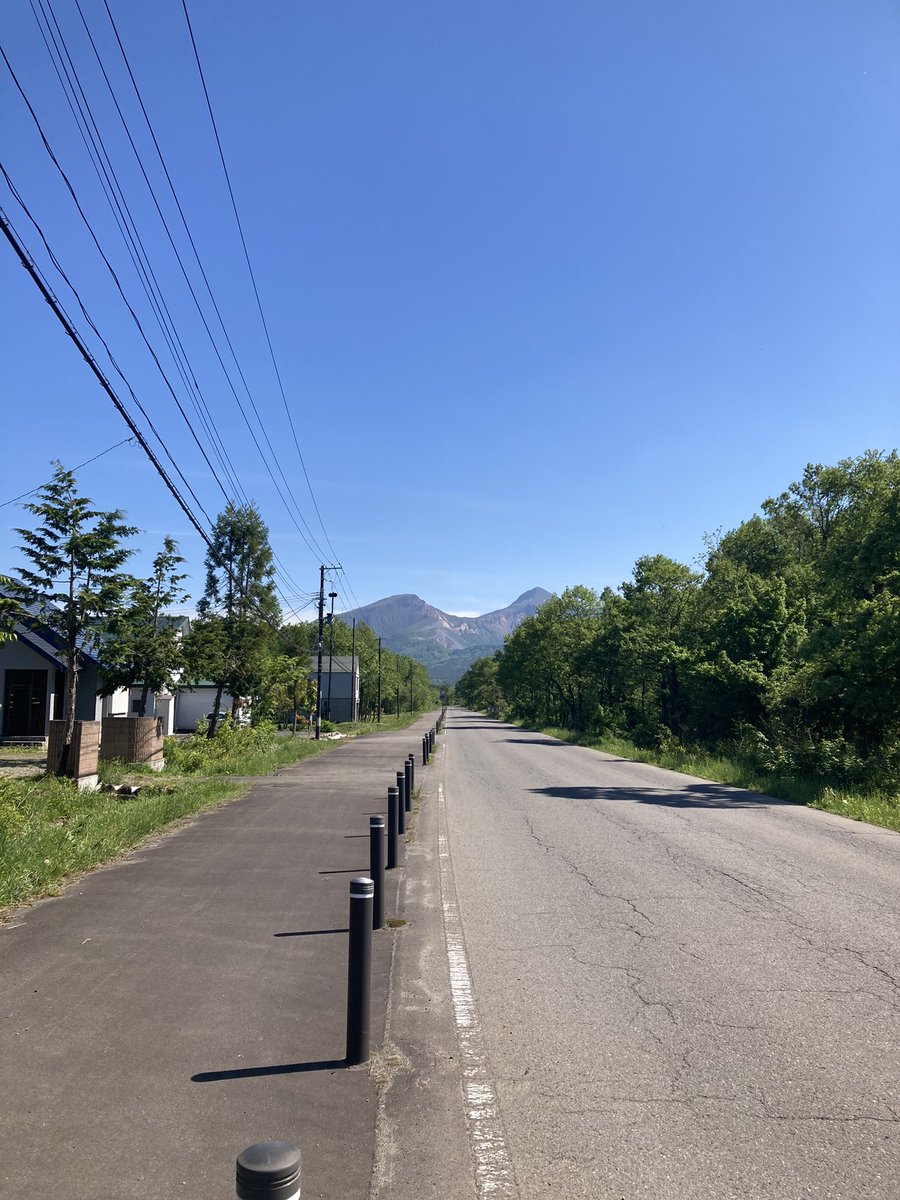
{"x":783,"y":648}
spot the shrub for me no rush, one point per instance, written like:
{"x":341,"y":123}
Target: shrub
{"x":221,"y":754}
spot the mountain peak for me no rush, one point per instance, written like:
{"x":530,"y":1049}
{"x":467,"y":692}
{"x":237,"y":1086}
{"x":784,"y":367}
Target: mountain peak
{"x":445,"y":643}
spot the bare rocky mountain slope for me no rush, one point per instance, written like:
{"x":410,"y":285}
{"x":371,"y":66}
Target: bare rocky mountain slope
{"x":445,"y":643}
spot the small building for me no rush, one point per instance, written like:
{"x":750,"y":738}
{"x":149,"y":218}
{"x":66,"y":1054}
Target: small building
{"x":194,"y":704}
{"x":340,"y":686}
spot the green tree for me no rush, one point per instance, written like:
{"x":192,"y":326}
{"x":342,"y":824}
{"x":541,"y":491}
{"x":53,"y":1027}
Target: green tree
{"x":143,"y":647}
{"x":479,"y":687}
{"x":239,"y":613}
{"x":75,"y":574}
{"x":285,"y":689}
{"x":11,"y":610}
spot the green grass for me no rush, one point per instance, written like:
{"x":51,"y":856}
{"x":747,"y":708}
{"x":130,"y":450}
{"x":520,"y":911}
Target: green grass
{"x":387,"y":724}
{"x":50,"y":831}
{"x":876,"y":807}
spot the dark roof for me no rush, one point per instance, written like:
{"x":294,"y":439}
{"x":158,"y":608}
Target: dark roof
{"x":34,"y":632}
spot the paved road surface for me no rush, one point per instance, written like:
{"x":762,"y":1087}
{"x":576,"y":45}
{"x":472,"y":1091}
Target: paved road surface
{"x":679,"y":990}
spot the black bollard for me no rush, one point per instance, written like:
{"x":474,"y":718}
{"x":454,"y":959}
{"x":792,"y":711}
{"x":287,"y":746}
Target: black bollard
{"x":393,"y":827}
{"x":424,"y":752}
{"x":268,"y":1171}
{"x":411,"y":759}
{"x":407,"y":784}
{"x":401,"y":791}
{"x":359,"y":970}
{"x":376,"y":869}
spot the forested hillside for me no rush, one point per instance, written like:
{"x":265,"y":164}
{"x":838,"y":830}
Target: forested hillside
{"x":784,"y":648}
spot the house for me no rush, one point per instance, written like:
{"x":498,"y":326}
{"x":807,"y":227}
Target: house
{"x":33,"y":685}
{"x":33,"y":673}
{"x":340,"y":686}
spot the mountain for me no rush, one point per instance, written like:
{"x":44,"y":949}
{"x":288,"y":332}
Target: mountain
{"x":446,"y":644}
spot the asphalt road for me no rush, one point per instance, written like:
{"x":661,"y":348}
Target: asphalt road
{"x":665,"y":988}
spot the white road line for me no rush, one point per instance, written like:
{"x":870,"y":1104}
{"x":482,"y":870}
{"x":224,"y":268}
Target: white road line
{"x":494,"y":1174}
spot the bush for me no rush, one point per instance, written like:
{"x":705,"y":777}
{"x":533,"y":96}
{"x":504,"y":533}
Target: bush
{"x":221,"y":754}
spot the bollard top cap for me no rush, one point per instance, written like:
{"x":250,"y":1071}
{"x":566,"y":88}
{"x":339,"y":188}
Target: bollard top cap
{"x":361,"y":887}
{"x":375,"y":821}
{"x":268,"y":1171}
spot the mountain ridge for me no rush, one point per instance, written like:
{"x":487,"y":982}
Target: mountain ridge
{"x":447,"y":644}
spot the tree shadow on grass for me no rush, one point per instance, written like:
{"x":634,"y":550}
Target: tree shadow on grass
{"x":709,"y":795}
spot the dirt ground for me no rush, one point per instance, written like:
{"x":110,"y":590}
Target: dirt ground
{"x":23,"y":763}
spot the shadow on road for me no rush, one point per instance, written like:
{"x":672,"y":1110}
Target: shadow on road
{"x":325,"y":1064}
{"x":701,"y":796}
{"x":536,"y":741}
{"x":310,"y":932}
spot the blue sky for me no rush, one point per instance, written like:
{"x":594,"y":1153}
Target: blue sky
{"x":550,"y":285}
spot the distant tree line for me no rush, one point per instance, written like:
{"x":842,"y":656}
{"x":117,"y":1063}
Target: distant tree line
{"x":783,"y":648}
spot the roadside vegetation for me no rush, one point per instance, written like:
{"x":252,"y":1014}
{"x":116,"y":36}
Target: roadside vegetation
{"x":773,"y":665}
{"x":50,"y":831}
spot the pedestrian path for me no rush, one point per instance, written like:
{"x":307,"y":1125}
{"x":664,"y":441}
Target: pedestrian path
{"x":163,"y":1013}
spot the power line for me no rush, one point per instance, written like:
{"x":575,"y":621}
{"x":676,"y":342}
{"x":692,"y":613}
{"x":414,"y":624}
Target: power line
{"x":103,"y":341}
{"x":136,"y":249}
{"x":31,"y":268}
{"x":203,"y":319}
{"x":250,"y":270}
{"x":115,"y":365}
{"x":109,"y":266}
{"x":115,"y":197}
{"x":125,"y":441}
{"x":316,"y":549}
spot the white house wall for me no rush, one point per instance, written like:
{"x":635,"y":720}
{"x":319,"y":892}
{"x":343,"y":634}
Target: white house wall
{"x":192,"y":705}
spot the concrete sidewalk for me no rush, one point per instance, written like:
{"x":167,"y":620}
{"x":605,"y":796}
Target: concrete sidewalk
{"x":165,"y":1012}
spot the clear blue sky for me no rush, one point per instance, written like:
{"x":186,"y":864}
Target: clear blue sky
{"x":550,"y":285}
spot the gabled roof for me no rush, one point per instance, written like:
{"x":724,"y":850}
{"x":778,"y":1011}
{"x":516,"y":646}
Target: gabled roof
{"x":37,"y":635}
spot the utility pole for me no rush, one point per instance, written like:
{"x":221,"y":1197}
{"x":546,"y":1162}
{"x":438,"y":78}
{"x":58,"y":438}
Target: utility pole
{"x":379,"y":681}
{"x":321,"y":646}
{"x":353,"y":680}
{"x":332,"y":596}
{"x":410,"y":687}
{"x":398,"y":700}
